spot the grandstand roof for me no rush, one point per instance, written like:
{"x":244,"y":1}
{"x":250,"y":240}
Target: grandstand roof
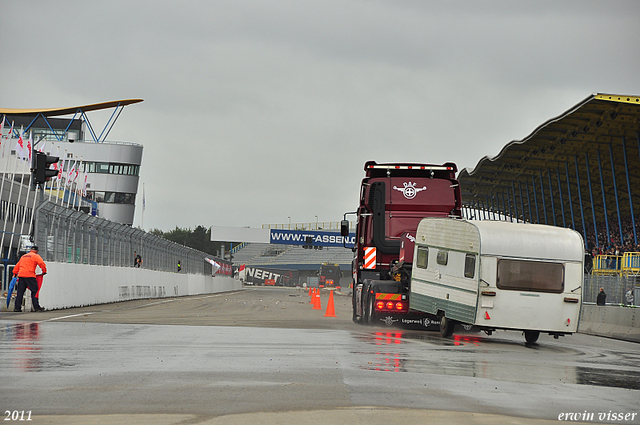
{"x":56,"y":112}
{"x":568,"y":171}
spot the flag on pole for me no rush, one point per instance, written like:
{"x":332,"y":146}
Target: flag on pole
{"x":84,"y":188}
{"x":70,"y":172}
{"x":61,"y":169}
{"x":9,"y":134}
{"x":20,"y":146}
{"x":30,"y":145}
{"x":76,"y":173}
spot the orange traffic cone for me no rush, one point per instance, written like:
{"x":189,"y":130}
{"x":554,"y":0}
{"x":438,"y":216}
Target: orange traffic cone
{"x":331,"y":311}
{"x":309,"y":291}
{"x":312,"y":294}
{"x":317,"y":305}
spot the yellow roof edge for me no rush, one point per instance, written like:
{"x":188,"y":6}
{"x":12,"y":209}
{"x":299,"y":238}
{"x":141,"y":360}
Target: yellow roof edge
{"x":52,"y":112}
{"x":618,"y":98}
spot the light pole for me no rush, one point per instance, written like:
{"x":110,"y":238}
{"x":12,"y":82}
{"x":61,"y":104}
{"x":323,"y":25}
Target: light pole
{"x":289,"y":223}
{"x":316,"y":222}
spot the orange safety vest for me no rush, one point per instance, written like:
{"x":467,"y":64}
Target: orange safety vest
{"x":26,"y":267}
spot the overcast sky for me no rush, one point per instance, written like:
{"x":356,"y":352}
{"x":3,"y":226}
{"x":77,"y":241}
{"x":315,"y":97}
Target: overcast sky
{"x":257,"y":111}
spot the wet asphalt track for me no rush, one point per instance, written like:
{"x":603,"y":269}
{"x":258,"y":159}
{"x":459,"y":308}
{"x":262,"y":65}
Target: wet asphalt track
{"x":263,"y":355}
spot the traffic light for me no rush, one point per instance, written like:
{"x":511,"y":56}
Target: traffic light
{"x":41,"y":171}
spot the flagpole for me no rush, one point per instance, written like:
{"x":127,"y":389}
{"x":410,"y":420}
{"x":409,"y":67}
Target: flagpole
{"x":6,"y":168}
{"x":60,"y":179}
{"x":143,"y":206}
{"x":7,"y":212}
{"x":76,"y":182}
{"x":19,"y":196}
{"x":69,"y":183}
{"x":4,"y":177}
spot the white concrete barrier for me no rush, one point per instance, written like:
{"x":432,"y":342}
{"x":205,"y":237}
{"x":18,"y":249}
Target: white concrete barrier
{"x":610,"y":321}
{"x":77,"y":285}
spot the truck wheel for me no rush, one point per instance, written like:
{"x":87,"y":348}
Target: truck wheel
{"x":365,"y":311}
{"x":371,"y":311}
{"x":531,"y":336}
{"x":355,"y":317}
{"x":446,"y":327}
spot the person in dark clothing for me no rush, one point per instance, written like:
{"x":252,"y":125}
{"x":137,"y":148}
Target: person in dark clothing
{"x":602,"y":297}
{"x":137,"y":259}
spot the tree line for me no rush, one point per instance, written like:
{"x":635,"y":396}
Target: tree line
{"x":198,"y":238}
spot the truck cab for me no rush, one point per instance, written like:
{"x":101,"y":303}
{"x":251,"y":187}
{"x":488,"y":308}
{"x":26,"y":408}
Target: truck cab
{"x":393,"y":200}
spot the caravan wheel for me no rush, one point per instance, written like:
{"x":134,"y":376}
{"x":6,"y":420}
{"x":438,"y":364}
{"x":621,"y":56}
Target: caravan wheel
{"x":531,"y":336}
{"x":446,"y":327}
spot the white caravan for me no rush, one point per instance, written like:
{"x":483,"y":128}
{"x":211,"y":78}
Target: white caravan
{"x":498,"y":275}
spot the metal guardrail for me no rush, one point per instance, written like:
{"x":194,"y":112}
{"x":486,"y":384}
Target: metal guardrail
{"x":70,"y":236}
{"x":631,"y":264}
{"x":606,"y":265}
{"x":627,"y":264}
{"x":323,"y":225}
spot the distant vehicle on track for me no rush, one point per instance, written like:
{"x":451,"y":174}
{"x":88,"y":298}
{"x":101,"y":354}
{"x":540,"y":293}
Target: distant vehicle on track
{"x":329,"y":275}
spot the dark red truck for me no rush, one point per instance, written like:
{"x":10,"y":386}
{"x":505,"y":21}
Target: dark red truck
{"x":393,"y":200}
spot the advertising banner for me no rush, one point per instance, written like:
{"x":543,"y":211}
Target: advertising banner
{"x":311,"y":237}
{"x":261,"y":276}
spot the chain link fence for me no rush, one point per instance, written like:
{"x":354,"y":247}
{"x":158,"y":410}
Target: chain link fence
{"x":67,"y":235}
{"x":70,"y":236}
{"x":614,"y":286}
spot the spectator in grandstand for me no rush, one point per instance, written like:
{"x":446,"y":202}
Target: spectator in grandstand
{"x":602,"y":297}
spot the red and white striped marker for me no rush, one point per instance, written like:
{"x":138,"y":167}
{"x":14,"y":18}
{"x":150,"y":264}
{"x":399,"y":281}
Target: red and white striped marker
{"x":370,"y":258}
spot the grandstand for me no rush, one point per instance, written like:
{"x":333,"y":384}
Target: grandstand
{"x":294,"y":257}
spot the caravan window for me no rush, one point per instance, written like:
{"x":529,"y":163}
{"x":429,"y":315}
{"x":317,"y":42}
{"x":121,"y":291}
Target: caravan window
{"x":538,"y":276}
{"x":442,"y":258}
{"x":423,"y":257}
{"x":470,"y":265}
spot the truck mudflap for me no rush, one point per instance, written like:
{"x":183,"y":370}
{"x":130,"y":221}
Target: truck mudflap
{"x":411,"y":320}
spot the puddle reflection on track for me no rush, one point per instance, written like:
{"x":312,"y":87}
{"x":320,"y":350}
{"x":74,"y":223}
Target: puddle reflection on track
{"x":394,"y":353}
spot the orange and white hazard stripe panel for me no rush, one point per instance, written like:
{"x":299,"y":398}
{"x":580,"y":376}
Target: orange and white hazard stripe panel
{"x":389,"y":297}
{"x":370,"y":258}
